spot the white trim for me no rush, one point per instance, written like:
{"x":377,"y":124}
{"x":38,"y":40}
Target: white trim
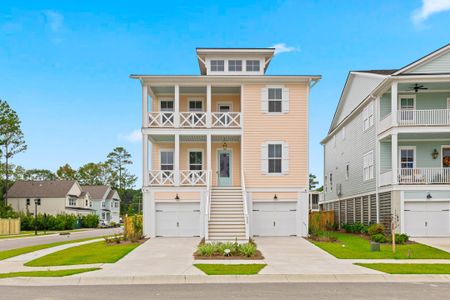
{"x":442,"y":154}
{"x":400,"y":148}
{"x":218,"y":165}
{"x":166,"y":150}
{"x":402,"y":96}
{"x":189,"y":150}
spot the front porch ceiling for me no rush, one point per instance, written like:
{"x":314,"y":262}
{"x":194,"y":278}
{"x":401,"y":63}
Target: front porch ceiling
{"x":437,"y":136}
{"x":197,"y":90}
{"x":432,"y":86}
{"x":194,"y":138}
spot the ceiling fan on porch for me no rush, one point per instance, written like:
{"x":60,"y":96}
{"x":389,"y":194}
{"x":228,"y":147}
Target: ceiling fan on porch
{"x":418,"y":87}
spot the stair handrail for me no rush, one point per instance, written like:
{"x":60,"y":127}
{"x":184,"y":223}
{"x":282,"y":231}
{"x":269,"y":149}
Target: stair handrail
{"x":207,"y":204}
{"x":209,"y":194}
{"x":244,"y":200}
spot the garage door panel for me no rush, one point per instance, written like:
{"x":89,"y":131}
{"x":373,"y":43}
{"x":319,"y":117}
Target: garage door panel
{"x":427,"y":218}
{"x":177,"y":219}
{"x":274,"y":219}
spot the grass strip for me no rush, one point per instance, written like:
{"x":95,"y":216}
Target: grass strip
{"x":230,"y":269}
{"x":19,"y":251}
{"x":58,"y":273}
{"x":408,"y":268}
{"x":92,"y":253}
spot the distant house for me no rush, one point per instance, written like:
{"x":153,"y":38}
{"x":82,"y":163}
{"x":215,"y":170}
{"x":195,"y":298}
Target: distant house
{"x":105,"y":202}
{"x":56,"y":196}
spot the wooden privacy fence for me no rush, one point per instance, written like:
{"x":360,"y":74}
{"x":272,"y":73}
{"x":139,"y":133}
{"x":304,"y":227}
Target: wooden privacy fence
{"x":9,"y":226}
{"x":321,"y":219}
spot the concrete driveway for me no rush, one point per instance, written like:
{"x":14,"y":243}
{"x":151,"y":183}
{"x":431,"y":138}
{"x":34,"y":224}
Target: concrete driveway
{"x":295,"y":255}
{"x":157,"y":256}
{"x":442,"y":243}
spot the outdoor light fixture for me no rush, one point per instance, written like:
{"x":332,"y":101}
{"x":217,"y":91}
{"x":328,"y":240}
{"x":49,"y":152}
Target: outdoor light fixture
{"x":224,"y":146}
{"x":434,"y":154}
{"x":275,"y":197}
{"x":177,"y":197}
{"x":429,"y":196}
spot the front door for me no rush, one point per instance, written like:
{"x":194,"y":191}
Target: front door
{"x":224,"y":163}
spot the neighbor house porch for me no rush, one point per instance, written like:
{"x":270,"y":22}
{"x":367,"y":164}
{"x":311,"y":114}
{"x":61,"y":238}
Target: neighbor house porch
{"x":415,"y":158}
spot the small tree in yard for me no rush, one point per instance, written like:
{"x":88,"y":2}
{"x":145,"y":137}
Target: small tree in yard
{"x":12,"y":140}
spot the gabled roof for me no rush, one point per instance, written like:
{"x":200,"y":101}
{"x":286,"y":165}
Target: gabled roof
{"x":41,"y":189}
{"x":413,"y":68}
{"x":97,"y":192}
{"x":111,"y":194}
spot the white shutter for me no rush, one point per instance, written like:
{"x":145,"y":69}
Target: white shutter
{"x":285,"y":101}
{"x":264,"y":100}
{"x":285,"y":161}
{"x":264,"y":158}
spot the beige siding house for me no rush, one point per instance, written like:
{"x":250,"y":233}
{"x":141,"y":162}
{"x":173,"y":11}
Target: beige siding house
{"x":225,"y":153}
{"x":105,"y":202}
{"x":55,"y":197}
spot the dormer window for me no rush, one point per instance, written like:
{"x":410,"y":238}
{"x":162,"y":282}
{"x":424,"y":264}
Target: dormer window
{"x":252,"y":65}
{"x":217,"y":65}
{"x":235,"y":65}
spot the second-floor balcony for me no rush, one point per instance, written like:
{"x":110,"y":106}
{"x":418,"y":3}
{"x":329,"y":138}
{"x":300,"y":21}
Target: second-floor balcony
{"x":195,"y":120}
{"x":424,"y":117}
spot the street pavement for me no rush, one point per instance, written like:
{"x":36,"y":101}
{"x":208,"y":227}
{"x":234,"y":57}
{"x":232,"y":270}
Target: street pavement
{"x":6,"y":244}
{"x":335,"y":291}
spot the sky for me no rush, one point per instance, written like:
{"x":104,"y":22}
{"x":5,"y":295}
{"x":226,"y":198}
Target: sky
{"x":64,"y":65}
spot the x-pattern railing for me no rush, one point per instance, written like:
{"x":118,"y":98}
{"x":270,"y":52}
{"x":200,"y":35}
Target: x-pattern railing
{"x":193,"y":119}
{"x":189,"y":177}
{"x":226,"y":119}
{"x":161,"y":177}
{"x":161,"y":119}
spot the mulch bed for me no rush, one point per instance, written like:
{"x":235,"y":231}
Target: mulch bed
{"x":258,"y":256}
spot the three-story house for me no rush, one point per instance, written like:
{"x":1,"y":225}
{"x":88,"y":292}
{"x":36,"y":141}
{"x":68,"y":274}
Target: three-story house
{"x":225,"y":153}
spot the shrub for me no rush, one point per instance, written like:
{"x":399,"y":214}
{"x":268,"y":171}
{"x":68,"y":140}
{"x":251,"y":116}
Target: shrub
{"x":378,"y":238}
{"x":400,"y":239}
{"x":207,"y":249}
{"x":355,"y":228}
{"x":247,"y":250}
{"x":90,"y":221}
{"x":375,"y":229}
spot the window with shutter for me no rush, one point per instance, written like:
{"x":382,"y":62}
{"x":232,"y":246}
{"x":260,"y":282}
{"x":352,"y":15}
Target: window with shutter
{"x":275,"y":100}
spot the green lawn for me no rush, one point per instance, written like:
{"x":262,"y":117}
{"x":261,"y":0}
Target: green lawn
{"x":92,"y":253}
{"x":351,"y":246}
{"x":227,"y":269}
{"x":19,"y":251}
{"x":59,"y":273}
{"x":409,"y":268}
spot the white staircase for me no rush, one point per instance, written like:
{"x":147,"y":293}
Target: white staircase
{"x":227,"y":219}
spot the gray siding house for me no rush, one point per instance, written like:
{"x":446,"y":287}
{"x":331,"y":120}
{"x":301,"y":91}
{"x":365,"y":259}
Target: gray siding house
{"x":387,"y":152}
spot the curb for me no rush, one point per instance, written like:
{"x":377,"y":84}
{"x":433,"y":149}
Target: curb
{"x":203,"y":279}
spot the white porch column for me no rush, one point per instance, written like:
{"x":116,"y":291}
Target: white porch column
{"x":394,"y":159}
{"x":394,"y":102}
{"x":144,"y":105}
{"x":176,"y":160}
{"x":145,"y":167}
{"x":208,"y":106}
{"x":177,"y":106}
{"x":208,"y":153}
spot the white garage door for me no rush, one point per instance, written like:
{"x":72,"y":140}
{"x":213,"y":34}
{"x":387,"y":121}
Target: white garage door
{"x":427,"y":218}
{"x":177,"y":219}
{"x":274,"y":219}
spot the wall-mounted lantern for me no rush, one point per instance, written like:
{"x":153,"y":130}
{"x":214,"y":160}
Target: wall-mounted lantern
{"x":177,"y":197}
{"x":434,"y":154}
{"x":224,"y":146}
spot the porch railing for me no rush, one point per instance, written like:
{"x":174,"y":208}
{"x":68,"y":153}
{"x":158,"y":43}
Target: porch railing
{"x":424,"y":176}
{"x":426,"y":117}
{"x":189,"y":177}
{"x":245,"y":205}
{"x":186,"y":178}
{"x":195,"y":120}
{"x":192,"y":119}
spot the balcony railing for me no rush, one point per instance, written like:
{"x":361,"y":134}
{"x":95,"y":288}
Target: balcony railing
{"x":185,"y":178}
{"x":424,"y":176}
{"x":195,"y":120}
{"x":427,"y":117}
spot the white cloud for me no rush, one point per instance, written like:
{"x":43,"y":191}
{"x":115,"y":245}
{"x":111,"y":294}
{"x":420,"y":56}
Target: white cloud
{"x":54,"y":20}
{"x":283,"y":48}
{"x":132,"y":137}
{"x":428,"y":8}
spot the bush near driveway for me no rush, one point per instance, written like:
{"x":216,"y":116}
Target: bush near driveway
{"x":92,"y":253}
{"x":352,"y":246}
{"x":227,"y":250}
{"x":58,"y":222}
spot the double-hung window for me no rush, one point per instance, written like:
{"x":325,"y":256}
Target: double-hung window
{"x":195,"y":160}
{"x":275,"y":98}
{"x":368,"y":166}
{"x":166,"y":107}
{"x":166,"y":162}
{"x":235,"y":65}
{"x":407,"y":107}
{"x":217,"y":65}
{"x":407,"y":160}
{"x":368,"y":117}
{"x":252,"y":65}
{"x":275,"y":158}
{"x":72,"y":201}
{"x":196,"y":106}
